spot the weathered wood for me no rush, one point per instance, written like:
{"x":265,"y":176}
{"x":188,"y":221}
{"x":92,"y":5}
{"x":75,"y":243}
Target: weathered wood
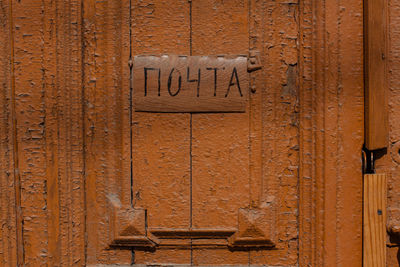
{"x":375,"y":60}
{"x":29,"y":129}
{"x":220,"y":149}
{"x":331,"y":132}
{"x":190,"y":83}
{"x":63,"y":98}
{"x":187,"y":170}
{"x":374,"y":248}
{"x":10,"y":217}
{"x":274,"y":120}
{"x":106,"y":55}
{"x":161,"y":141}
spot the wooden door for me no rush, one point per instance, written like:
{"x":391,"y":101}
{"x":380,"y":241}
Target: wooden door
{"x":89,"y":180}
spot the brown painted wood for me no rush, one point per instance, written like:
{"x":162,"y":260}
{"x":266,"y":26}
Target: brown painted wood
{"x":30,"y":143}
{"x":86,"y":179}
{"x":161,"y":142}
{"x":63,"y":133}
{"x":331,"y":88}
{"x":106,"y":130}
{"x":190,"y":83}
{"x":10,"y":213}
{"x":274,"y":30}
{"x":219,"y":156}
{"x":375,"y":60}
{"x":374,"y":218}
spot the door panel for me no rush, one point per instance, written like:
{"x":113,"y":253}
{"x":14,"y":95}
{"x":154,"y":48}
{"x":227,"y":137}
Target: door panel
{"x":225,"y":152}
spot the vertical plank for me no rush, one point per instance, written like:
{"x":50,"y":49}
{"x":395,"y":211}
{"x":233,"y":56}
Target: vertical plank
{"x":220,"y":142}
{"x":10,"y":239}
{"x":375,"y":52}
{"x":105,"y":59}
{"x":349,"y":87}
{"x":274,"y":111}
{"x":374,"y":251}
{"x":46,"y":132}
{"x":30,"y":128}
{"x":50,"y":37}
{"x":306,"y":146}
{"x":332,"y":105}
{"x":62,"y":60}
{"x":161,"y":142}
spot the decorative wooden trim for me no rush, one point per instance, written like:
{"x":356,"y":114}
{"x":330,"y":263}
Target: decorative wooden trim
{"x":128,"y":226}
{"x":254,"y":229}
{"x":331,"y":106}
{"x":129,"y":230}
{"x":191,"y":233}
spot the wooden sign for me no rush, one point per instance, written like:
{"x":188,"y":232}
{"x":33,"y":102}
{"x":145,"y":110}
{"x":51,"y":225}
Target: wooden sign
{"x":190,"y":84}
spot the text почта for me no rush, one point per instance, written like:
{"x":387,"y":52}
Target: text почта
{"x":190,"y":84}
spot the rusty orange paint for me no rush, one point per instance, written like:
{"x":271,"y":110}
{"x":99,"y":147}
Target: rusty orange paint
{"x":85,"y":179}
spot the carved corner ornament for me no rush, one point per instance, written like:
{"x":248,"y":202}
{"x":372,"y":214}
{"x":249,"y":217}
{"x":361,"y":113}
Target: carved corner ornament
{"x":128,"y":229}
{"x":254,"y":229}
{"x":128,"y":226}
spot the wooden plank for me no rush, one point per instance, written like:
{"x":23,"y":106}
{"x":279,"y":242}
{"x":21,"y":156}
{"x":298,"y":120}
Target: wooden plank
{"x":30,"y":114}
{"x":342,"y":143}
{"x":105,"y":58}
{"x":332,"y":133}
{"x":274,"y":31}
{"x":10,"y":234}
{"x":374,"y":233}
{"x":190,"y":83}
{"x":64,"y":136}
{"x":375,"y":54}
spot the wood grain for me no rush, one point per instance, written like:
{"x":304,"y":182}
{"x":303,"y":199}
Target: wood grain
{"x":63,"y":132}
{"x":374,"y":248}
{"x":331,"y":132}
{"x":29,"y":129}
{"x":10,"y":213}
{"x":106,"y":108}
{"x":190,"y":83}
{"x":274,"y":122}
{"x":375,"y":60}
{"x":70,"y":138}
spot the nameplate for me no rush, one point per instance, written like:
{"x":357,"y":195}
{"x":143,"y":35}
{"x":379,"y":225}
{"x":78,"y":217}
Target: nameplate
{"x":190,"y":83}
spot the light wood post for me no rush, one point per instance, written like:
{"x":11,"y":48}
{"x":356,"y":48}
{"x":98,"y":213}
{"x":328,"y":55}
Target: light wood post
{"x":374,"y":245}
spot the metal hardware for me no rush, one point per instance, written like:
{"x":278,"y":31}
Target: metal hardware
{"x":368,"y":165}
